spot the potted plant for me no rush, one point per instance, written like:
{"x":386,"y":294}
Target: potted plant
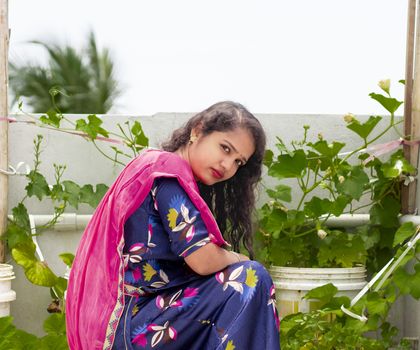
{"x":329,"y":183}
{"x":317,"y":265}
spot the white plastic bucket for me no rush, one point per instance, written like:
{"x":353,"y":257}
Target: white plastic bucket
{"x":6,"y":293}
{"x":292,"y":284}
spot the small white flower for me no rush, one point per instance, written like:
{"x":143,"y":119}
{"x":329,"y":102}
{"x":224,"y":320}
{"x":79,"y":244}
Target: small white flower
{"x":322,"y":234}
{"x":341,"y":179}
{"x":349,"y":117}
{"x":385,"y":85}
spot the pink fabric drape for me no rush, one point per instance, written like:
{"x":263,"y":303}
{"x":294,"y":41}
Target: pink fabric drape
{"x":96,"y":279}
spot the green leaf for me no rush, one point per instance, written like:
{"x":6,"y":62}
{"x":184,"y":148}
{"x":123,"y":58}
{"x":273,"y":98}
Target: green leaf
{"x":37,"y":185}
{"x":139,"y":136}
{"x":52,"y":118}
{"x":363,"y":130}
{"x":268,"y":158}
{"x":40,"y":274}
{"x":295,"y":217}
{"x":282,"y":192}
{"x":67,"y":258}
{"x":92,"y":127}
{"x":314,"y":161}
{"x":336,"y":302}
{"x":339,"y":205}
{"x":24,"y":254}
{"x":275,"y":221}
{"x":6,"y":324}
{"x":57,"y":193}
{"x":340,"y":249}
{"x":324,"y":293}
{"x":396,"y":166}
{"x":289,"y":322}
{"x":328,"y":150}
{"x":376,"y":304}
{"x":288,"y":166}
{"x":385,"y":213}
{"x":36,"y":271}
{"x":408,"y":283}
{"x":55,"y":324}
{"x":72,"y":192}
{"x":91,"y":197}
{"x":21,"y":217}
{"x":405,"y":231}
{"x":57,"y":291}
{"x":354,"y":184}
{"x":15,"y":339}
{"x":317,"y":207}
{"x":282,"y":147}
{"x":389,"y":103}
{"x":287,"y":251}
{"x":16,"y":235}
{"x":54,"y":342}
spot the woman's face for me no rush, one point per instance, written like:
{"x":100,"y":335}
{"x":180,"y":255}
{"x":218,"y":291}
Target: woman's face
{"x":217,"y":156}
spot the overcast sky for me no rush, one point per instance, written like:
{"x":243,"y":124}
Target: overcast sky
{"x":274,"y":56}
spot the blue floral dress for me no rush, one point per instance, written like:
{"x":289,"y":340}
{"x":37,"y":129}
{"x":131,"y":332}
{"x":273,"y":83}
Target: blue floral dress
{"x":169,"y":306}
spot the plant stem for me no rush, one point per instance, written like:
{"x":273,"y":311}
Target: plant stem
{"x":105,"y":155}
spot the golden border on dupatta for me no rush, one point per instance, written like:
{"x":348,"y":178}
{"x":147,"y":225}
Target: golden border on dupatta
{"x":119,"y":305}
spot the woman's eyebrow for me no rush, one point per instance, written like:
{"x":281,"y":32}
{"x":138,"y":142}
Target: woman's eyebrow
{"x":233,"y":147}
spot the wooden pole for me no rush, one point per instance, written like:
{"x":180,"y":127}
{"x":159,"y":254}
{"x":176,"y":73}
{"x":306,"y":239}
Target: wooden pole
{"x":4,"y":126}
{"x":411,"y":104}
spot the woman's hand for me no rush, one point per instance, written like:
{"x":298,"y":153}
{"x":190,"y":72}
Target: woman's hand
{"x":211,"y":258}
{"x":243,"y":257}
{"x":239,"y":257}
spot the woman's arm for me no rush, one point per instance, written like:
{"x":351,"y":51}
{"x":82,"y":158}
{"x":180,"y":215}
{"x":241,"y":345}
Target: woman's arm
{"x":211,"y":258}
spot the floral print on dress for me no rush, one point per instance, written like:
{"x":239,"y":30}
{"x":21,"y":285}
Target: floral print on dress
{"x":179,"y":219}
{"x":181,"y":300}
{"x":272,"y":302}
{"x":161,"y":333}
{"x":167,"y":305}
{"x":153,"y":272}
{"x":244,"y":283}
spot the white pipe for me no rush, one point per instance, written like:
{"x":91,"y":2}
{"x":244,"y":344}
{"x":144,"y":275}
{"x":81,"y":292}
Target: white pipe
{"x":66,"y":222}
{"x":33,"y":232}
{"x":348,"y":220}
{"x":74,"y":222}
{"x":353,"y":220}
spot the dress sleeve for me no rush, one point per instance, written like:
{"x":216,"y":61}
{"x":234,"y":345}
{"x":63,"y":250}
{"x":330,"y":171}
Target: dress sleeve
{"x":181,"y":219}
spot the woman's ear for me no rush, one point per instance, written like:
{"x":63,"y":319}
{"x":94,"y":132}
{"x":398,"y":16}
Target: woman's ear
{"x":196,"y":131}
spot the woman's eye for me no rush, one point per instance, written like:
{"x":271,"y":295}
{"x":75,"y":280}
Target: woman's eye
{"x":226,"y":148}
{"x":239,"y":162}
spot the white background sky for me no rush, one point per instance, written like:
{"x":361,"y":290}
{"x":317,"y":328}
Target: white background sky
{"x":274,"y":56}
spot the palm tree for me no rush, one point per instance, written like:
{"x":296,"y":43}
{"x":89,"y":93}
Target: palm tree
{"x":80,"y":82}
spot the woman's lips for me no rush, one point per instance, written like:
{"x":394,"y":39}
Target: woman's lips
{"x":216,"y":174}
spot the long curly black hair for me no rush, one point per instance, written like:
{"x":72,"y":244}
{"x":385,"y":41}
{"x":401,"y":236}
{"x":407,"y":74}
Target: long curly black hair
{"x":232,"y":201}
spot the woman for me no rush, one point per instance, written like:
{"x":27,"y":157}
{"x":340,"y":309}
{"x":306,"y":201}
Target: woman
{"x":153,"y":269}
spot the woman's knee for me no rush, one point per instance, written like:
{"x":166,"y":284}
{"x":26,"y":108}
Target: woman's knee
{"x":260,"y":271}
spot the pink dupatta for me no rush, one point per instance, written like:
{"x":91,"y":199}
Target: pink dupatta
{"x":95,"y":297}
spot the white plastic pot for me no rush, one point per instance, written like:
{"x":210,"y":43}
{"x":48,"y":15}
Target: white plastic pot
{"x":292,"y":284}
{"x":6,"y":293}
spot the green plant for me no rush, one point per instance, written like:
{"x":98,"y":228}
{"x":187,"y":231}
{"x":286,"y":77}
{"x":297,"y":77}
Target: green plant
{"x":329,"y":327}
{"x":332,"y":183}
{"x":12,"y":338}
{"x":62,"y":193}
{"x":86,"y":79}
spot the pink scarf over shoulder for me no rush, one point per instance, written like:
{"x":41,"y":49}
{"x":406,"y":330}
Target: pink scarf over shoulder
{"x":95,"y":290}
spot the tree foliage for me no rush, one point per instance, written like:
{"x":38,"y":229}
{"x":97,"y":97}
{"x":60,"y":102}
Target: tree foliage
{"x":76,"y":82}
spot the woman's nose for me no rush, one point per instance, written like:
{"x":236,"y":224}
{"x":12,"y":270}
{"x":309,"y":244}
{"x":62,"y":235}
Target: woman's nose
{"x":227,"y":164}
